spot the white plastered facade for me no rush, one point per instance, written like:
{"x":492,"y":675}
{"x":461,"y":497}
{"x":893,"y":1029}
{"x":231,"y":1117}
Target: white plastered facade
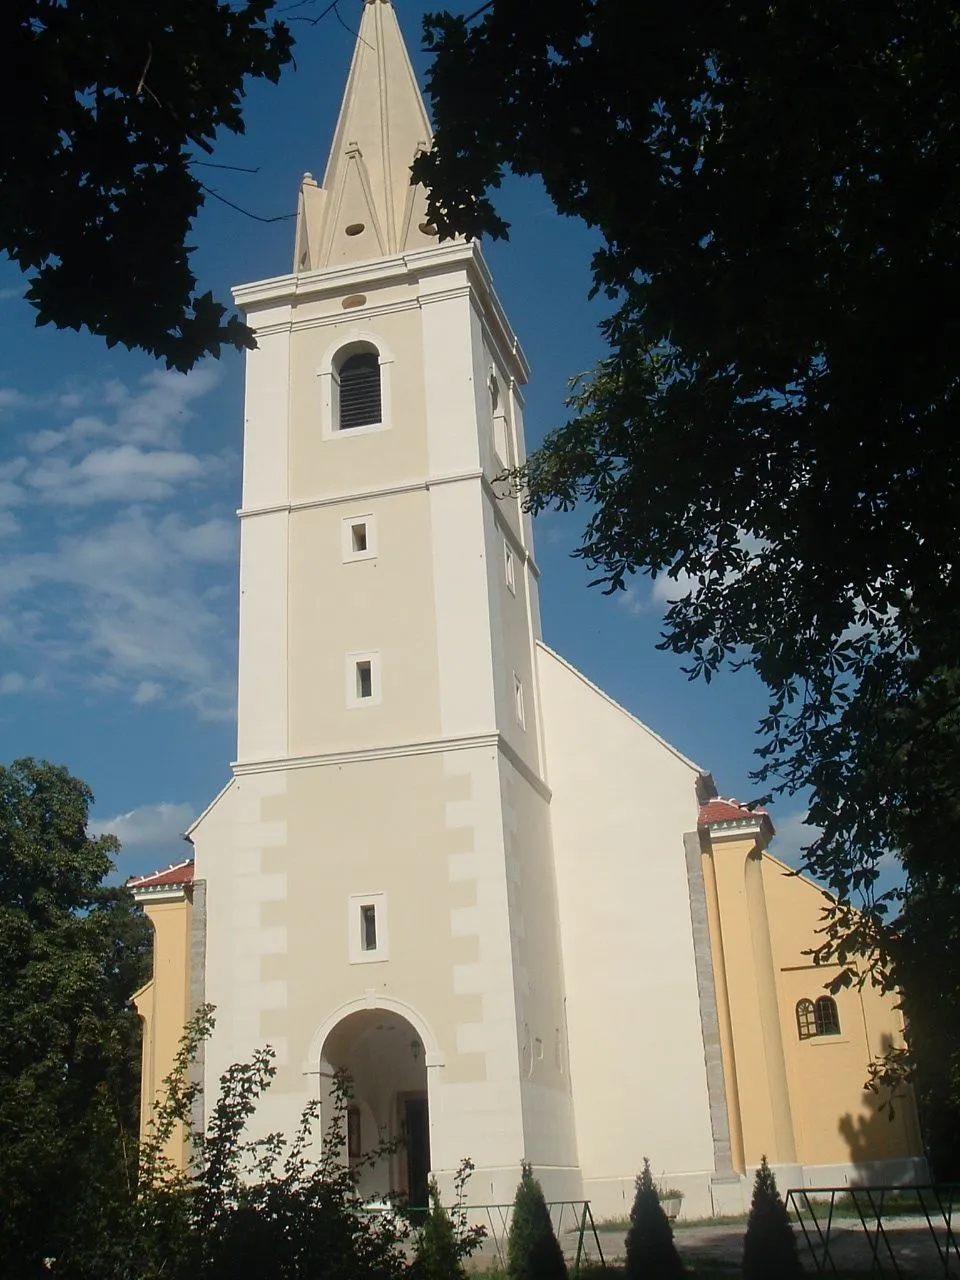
{"x":525,"y":840}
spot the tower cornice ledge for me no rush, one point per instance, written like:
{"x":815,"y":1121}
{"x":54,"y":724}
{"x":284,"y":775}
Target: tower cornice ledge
{"x":358,"y":277}
{"x":429,"y":746}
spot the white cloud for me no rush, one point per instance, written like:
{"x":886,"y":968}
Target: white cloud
{"x":122,"y":603}
{"x":146,"y":826}
{"x":137,"y":599}
{"x":12,"y":399}
{"x":793,"y":835}
{"x":13,"y":682}
{"x":147,"y":691}
{"x":632,"y":601}
{"x":121,"y":474}
{"x":666,"y":589}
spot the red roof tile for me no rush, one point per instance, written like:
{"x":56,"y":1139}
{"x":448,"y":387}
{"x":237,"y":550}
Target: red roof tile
{"x":720,"y":810}
{"x":173,"y":877}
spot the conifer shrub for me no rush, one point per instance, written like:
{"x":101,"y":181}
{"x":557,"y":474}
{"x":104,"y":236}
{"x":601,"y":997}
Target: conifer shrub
{"x":651,"y":1252}
{"x":533,"y":1251}
{"x":769,"y":1247}
{"x":436,"y":1256}
{"x":446,"y":1239}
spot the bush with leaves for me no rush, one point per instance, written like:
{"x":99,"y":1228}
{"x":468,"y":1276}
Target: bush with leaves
{"x":769,"y":1247}
{"x":445,"y":1240}
{"x":254,"y":1207}
{"x":651,"y":1253}
{"x":533,"y":1251}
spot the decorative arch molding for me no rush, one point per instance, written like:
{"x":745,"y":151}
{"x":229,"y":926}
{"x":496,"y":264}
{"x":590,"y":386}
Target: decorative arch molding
{"x":432,"y":1053}
{"x":357,"y":338}
{"x":350,"y":337}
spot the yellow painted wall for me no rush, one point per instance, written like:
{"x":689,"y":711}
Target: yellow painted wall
{"x":164,"y":1006}
{"x":836,"y":1120}
{"x":795,"y":1101}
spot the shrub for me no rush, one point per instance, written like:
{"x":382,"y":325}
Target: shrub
{"x":651,"y":1253}
{"x":436,"y":1256}
{"x":533,"y":1252}
{"x":253,"y":1207}
{"x":445,"y":1239}
{"x":769,"y":1247}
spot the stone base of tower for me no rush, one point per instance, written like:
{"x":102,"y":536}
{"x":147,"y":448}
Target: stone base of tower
{"x":497,"y":1185}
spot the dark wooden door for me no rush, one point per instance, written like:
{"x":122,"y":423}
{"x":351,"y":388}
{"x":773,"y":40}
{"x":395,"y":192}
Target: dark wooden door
{"x":416,"y":1123}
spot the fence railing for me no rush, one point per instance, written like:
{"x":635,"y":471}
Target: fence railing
{"x":882,"y":1213}
{"x":574,"y":1213}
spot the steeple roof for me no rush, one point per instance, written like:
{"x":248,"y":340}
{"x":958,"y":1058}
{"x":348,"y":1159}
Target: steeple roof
{"x":367,"y":207}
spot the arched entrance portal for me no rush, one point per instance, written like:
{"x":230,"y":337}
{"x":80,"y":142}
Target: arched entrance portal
{"x":385,"y":1059}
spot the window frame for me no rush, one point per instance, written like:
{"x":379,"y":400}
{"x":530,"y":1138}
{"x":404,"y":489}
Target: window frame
{"x":509,"y":567}
{"x":347,"y":525}
{"x":357,"y":953}
{"x":353,"y":661}
{"x":354,"y":341}
{"x":817,"y":1019}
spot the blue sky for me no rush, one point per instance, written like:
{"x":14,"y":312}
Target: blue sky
{"x":119,"y":482}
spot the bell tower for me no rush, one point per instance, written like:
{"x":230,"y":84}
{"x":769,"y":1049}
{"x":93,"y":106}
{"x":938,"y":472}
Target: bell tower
{"x":379,"y":873}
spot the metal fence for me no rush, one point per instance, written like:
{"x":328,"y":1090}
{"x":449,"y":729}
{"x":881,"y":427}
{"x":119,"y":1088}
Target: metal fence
{"x":574,"y":1214}
{"x":887,"y":1216}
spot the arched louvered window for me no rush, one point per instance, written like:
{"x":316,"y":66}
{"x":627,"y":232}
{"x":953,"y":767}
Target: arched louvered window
{"x":360,"y":395}
{"x":827,"y":1017}
{"x":806,"y":1019}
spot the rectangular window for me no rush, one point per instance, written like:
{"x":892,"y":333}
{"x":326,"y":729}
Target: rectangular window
{"x":509,"y":568}
{"x":518,"y":699}
{"x":358,"y":537}
{"x":368,"y":927}
{"x":363,"y":679}
{"x":368,"y":940}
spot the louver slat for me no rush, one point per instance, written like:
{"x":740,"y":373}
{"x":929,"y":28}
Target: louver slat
{"x":360,"y":391}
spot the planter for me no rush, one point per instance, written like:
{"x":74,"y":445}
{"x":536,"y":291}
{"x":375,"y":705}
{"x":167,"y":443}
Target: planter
{"x":671,"y":1205}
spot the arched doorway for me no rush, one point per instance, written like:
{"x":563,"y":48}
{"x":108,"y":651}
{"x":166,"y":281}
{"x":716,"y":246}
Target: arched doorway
{"x":385,"y":1059}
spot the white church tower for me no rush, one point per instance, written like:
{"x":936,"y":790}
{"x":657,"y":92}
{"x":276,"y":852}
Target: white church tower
{"x":379,"y":875}
{"x":446,"y":861}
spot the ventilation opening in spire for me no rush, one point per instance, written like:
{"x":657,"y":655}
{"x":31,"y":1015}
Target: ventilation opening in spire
{"x":360,"y":398}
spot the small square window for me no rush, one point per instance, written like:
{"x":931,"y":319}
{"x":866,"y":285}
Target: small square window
{"x":518,"y":700}
{"x":368,"y":927}
{"x":358,"y":537}
{"x":509,"y":569}
{"x":364,"y":680}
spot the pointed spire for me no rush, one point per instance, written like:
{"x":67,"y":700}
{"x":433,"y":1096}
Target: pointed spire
{"x":367,"y":207}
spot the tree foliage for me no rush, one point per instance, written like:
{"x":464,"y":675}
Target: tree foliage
{"x":769,"y":1246}
{"x":72,"y":952}
{"x":113,"y":105}
{"x":280,"y":1205}
{"x":533,"y":1251}
{"x":775,"y":426}
{"x":651,"y":1252}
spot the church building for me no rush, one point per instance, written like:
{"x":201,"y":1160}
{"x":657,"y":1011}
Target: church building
{"x":445,"y":860}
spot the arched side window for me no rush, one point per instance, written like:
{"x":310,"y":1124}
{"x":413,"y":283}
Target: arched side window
{"x":827,"y":1017}
{"x":360,"y":399}
{"x":817,"y":1019}
{"x":501,"y":435}
{"x":806,"y":1019}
